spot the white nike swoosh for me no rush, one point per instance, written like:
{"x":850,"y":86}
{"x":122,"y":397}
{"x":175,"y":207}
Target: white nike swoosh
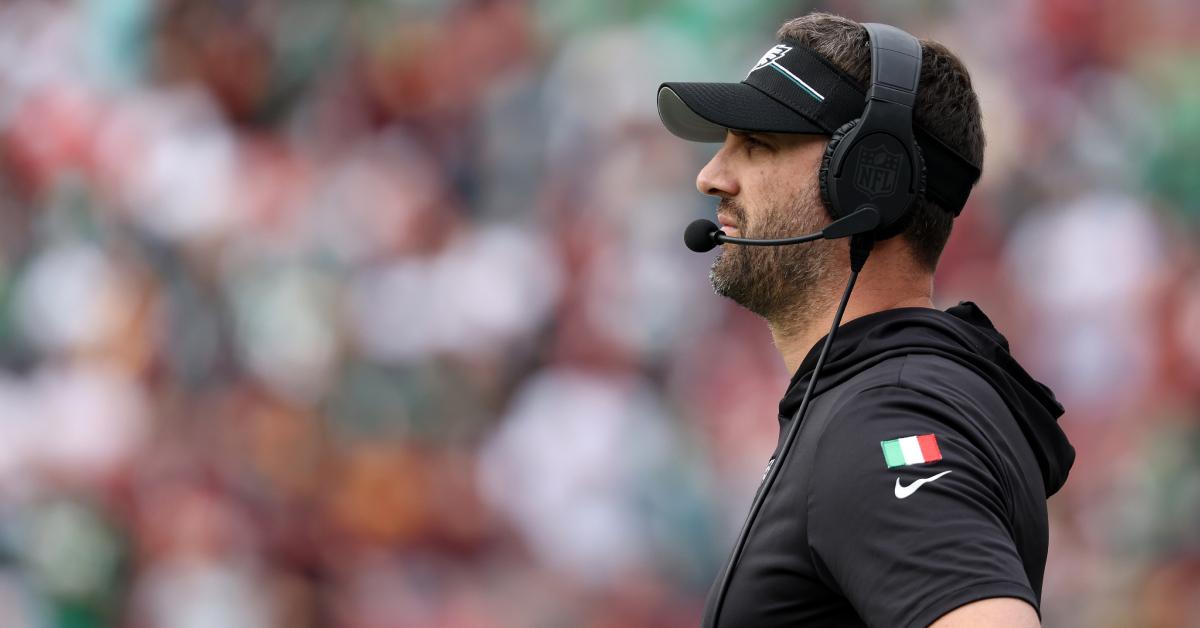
{"x":905,"y":491}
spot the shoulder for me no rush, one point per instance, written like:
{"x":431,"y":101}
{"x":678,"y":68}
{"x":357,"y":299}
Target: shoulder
{"x":921,"y":391}
{"x":877,"y":419}
{"x":924,"y":388}
{"x":906,"y":424}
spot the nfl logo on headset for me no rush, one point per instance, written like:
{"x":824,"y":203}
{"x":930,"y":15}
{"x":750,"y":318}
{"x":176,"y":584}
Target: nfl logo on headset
{"x":877,"y":171}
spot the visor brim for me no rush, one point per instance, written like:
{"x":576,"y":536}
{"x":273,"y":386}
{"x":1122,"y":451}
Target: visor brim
{"x":703,"y":112}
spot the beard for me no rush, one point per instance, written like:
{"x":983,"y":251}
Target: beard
{"x":779,"y":283}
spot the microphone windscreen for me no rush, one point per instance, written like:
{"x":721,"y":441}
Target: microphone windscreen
{"x":699,"y":235}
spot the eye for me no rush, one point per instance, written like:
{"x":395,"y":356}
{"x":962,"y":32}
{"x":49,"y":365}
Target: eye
{"x":753,"y":143}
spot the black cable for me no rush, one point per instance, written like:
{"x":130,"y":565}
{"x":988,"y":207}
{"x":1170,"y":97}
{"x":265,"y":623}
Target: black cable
{"x":860,"y":248}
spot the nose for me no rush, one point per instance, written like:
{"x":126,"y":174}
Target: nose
{"x":716,"y":178}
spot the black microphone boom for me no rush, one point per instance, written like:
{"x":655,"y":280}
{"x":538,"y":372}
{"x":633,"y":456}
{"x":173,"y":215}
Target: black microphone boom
{"x":704,"y":235}
{"x":862,"y":220}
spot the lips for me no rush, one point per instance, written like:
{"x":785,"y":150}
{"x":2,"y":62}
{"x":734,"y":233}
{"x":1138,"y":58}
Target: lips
{"x":726,"y":223}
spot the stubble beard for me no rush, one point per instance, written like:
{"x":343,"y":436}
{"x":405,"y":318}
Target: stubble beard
{"x":782,"y":284}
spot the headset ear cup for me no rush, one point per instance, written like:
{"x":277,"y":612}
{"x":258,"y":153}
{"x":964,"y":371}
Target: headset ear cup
{"x":902,"y":223}
{"x":824,"y":175}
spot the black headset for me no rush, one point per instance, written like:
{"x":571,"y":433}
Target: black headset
{"x":871,"y":162}
{"x":874,"y":160}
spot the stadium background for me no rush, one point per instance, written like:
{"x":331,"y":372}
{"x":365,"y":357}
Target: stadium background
{"x":376,"y":313}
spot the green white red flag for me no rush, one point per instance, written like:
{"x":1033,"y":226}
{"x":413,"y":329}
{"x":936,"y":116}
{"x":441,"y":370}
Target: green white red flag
{"x":911,"y":450}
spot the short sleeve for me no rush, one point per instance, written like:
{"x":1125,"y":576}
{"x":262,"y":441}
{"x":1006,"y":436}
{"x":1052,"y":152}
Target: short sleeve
{"x":907,"y":510}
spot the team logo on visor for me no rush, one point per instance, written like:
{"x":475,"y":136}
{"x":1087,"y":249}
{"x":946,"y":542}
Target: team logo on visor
{"x":774,"y":54}
{"x":771,"y":60}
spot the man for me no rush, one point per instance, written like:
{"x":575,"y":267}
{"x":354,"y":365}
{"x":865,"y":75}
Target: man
{"x":915,"y":493}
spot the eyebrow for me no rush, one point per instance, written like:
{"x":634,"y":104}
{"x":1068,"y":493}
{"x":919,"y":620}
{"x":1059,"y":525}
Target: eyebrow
{"x":752,"y":135}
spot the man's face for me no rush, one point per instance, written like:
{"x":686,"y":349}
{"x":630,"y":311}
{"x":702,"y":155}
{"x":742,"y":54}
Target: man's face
{"x":767,"y":183}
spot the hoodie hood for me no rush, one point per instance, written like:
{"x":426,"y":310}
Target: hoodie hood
{"x":963,"y":334}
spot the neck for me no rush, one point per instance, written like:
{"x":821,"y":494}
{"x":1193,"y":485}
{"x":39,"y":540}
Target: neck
{"x":875,"y":291}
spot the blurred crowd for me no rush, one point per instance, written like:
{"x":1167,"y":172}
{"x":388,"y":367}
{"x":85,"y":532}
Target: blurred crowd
{"x":375,"y":313}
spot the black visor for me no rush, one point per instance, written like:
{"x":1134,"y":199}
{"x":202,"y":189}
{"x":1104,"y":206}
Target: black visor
{"x":794,"y":90}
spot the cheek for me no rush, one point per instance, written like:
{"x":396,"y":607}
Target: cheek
{"x":785,"y":195}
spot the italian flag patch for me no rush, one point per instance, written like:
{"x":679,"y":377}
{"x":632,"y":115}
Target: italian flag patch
{"x":911,"y":450}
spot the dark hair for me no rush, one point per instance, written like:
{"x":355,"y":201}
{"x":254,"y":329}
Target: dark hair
{"x":946,"y":107}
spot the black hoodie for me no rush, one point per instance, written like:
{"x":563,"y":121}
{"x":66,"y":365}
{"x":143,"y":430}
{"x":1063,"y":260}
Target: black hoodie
{"x":917,"y":483}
